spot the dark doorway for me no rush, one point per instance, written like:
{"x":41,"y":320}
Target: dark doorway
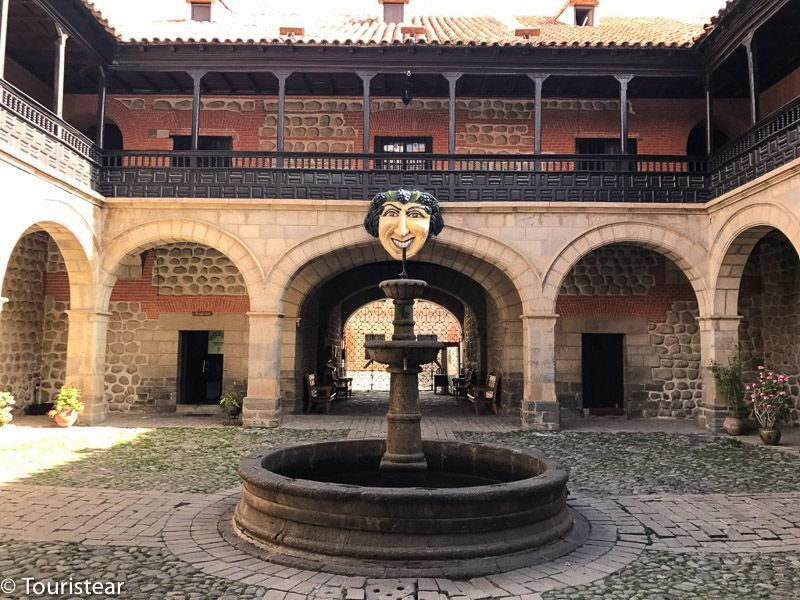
{"x":199,"y":367}
{"x":601,"y":356}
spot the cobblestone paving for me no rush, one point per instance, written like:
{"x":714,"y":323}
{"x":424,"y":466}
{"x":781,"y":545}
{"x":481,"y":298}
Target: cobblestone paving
{"x":673,"y":515}
{"x":604,"y":464}
{"x":170,"y":459}
{"x":660,"y":575}
{"x":146,"y":572}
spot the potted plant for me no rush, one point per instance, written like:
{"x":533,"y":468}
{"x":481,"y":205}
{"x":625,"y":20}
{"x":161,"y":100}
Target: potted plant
{"x":771,"y":403}
{"x":66,"y":407}
{"x":232,"y":400}
{"x":6,"y":402}
{"x":729,"y":385}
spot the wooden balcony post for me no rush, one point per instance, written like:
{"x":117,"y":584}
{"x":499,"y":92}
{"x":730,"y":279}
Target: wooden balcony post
{"x":282,"y":77}
{"x":452,"y":79}
{"x":101,"y":107}
{"x":58,"y":82}
{"x":3,"y":36}
{"x":538,"y":81}
{"x":623,"y":111}
{"x":709,"y":114}
{"x":366,"y":79}
{"x":752,"y":78}
{"x":197,"y":77}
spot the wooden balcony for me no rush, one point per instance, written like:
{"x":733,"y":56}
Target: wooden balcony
{"x":465,"y":178}
{"x":28,"y":128}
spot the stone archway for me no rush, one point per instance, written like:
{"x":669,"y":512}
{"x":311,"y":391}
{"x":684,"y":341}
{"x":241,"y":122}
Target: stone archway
{"x":177,"y":281}
{"x":482,"y":260}
{"x":48,"y":283}
{"x":154,"y":233}
{"x":683,"y":251}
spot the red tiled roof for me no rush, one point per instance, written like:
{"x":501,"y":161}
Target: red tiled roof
{"x":264,"y":27}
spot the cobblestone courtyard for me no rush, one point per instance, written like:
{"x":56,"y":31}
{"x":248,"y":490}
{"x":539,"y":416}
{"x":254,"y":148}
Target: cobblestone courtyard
{"x":672,"y":513}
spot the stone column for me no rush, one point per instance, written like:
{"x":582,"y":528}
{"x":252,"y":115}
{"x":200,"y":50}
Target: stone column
{"x":86,"y":361}
{"x":262,"y":406}
{"x":719,"y":338}
{"x":540,"y":409}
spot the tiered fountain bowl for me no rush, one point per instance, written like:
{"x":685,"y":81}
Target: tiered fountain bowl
{"x":403,"y":506}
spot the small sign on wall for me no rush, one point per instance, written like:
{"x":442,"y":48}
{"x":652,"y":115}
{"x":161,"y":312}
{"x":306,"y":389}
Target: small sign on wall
{"x":202,"y":313}
{"x":216,"y":341}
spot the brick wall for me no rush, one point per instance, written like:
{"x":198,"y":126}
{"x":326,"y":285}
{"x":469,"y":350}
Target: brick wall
{"x":334,"y":124}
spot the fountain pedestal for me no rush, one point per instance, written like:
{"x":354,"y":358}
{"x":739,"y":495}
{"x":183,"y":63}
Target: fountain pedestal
{"x":403,"y":354}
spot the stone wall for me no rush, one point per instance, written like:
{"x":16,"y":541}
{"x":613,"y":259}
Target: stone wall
{"x":126,"y":361}
{"x":633,"y":291}
{"x":193,"y":270}
{"x":54,"y":346}
{"x":769,"y":303}
{"x":677,"y":344}
{"x":618,"y":270}
{"x":21,"y":319}
{"x":172,"y":288}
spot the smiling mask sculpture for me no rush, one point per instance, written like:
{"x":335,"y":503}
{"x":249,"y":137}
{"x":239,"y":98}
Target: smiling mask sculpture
{"x":403,"y":220}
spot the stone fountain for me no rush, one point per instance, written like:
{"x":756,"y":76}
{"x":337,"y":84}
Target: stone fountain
{"x":404,"y":506}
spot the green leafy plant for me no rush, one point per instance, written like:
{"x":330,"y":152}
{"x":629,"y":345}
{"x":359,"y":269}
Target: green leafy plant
{"x":729,"y":382}
{"x":771,"y":398}
{"x":232,"y":398}
{"x":68,"y":399}
{"x":6,"y":403}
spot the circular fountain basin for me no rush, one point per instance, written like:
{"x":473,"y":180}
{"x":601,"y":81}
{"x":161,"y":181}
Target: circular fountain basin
{"x":328,"y":504}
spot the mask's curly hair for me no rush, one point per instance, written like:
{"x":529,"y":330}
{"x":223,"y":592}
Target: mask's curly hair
{"x":403,"y":196}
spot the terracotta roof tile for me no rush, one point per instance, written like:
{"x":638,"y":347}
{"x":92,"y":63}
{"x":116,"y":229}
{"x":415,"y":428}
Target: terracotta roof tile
{"x":263,"y":28}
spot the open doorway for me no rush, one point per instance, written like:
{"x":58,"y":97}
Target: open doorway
{"x":602,"y":368}
{"x":200,"y":367}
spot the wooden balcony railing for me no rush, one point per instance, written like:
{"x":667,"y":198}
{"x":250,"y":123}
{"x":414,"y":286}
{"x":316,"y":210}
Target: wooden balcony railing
{"x":34,"y":130}
{"x":773,"y":142}
{"x":471,"y":178}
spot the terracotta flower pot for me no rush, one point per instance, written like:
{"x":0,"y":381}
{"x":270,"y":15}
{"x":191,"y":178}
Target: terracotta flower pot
{"x":732,"y":425}
{"x":66,"y":418}
{"x":770,"y":437}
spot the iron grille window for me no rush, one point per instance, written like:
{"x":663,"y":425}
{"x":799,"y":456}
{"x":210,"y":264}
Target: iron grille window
{"x":213,"y":143}
{"x":403,"y":145}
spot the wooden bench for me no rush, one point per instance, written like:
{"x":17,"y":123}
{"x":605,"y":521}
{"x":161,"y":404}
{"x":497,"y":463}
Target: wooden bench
{"x":342,"y":386}
{"x":486,"y":394}
{"x":319,"y":394}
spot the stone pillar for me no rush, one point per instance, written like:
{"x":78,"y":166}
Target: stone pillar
{"x":86,"y":361}
{"x":540,"y":409}
{"x":719,"y":338}
{"x":262,"y":406}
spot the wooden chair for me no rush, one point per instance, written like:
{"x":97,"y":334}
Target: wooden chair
{"x":461,"y":385}
{"x":342,"y":386}
{"x":486,"y":394}
{"x":319,"y":394}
